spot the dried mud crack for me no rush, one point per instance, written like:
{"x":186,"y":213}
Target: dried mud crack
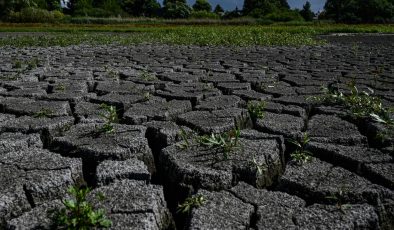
{"x":57,"y":129}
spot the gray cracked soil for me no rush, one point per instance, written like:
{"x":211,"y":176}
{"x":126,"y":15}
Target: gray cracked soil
{"x":140,"y":168}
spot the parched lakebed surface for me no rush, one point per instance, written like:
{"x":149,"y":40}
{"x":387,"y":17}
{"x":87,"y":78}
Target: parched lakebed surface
{"x":247,"y":136}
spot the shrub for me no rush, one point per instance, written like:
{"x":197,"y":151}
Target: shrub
{"x":256,"y":109}
{"x":300,"y":155}
{"x":35,"y":15}
{"x":204,"y":14}
{"x":226,"y":142}
{"x":284,"y":16}
{"x":176,"y":10}
{"x":79,"y":213}
{"x":190,"y":203}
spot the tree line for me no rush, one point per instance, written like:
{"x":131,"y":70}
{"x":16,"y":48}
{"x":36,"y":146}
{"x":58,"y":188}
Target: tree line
{"x":350,"y":11}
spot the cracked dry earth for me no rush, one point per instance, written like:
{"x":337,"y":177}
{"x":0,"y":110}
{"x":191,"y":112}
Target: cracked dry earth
{"x":162,"y":92}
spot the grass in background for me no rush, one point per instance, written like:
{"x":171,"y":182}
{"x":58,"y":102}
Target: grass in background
{"x":279,"y":34}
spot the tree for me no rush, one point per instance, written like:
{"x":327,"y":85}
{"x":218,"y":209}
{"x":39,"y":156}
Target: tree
{"x":138,"y":8}
{"x":53,"y":5}
{"x":82,"y":7}
{"x":202,"y":5}
{"x":306,"y":12}
{"x":284,"y":4}
{"x":176,"y":9}
{"x":110,"y":7}
{"x":264,"y":7}
{"x":359,"y":10}
{"x":218,"y":9}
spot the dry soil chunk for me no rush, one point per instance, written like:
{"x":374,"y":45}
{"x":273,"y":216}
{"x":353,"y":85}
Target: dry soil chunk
{"x":87,"y":141}
{"x":221,"y":210}
{"x":24,"y":106}
{"x":17,"y":141}
{"x":110,"y":171}
{"x":283,"y":124}
{"x":156,"y":110}
{"x":129,"y":197}
{"x":257,"y":161}
{"x":317,"y":216}
{"x":331,"y":129}
{"x":371,"y":163}
{"x":219,"y":102}
{"x":275,"y":210}
{"x":216,"y":121}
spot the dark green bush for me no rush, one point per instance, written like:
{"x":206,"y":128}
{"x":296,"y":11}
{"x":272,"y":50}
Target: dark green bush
{"x":204,"y":14}
{"x":35,"y":15}
{"x":176,"y":10}
{"x":284,"y":16}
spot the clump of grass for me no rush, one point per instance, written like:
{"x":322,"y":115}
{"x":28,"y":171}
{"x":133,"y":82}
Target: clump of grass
{"x":256,"y":109}
{"x":360,"y":105}
{"x":79,"y":214}
{"x":190,"y":203}
{"x":43,"y":113}
{"x":146,"y":76}
{"x":300,"y":155}
{"x":32,"y":64}
{"x":225,"y":142}
{"x":110,"y":116}
{"x":111,"y":72}
{"x":25,"y":65}
{"x":17,"y":64}
{"x":186,"y":142}
{"x":338,"y":200}
{"x":60,"y":87}
{"x":147,"y":96}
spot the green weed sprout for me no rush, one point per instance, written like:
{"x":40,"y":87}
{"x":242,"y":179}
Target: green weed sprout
{"x":43,"y":113}
{"x":110,"y":116}
{"x":185,"y":144}
{"x":191,"y":202}
{"x":338,"y":200}
{"x":146,"y":76}
{"x":256,"y":109}
{"x":17,"y":64}
{"x":79,"y":213}
{"x":32,"y":64}
{"x":147,"y":96}
{"x":60,"y":87}
{"x":360,"y":105}
{"x":226,"y":142}
{"x":300,"y":155}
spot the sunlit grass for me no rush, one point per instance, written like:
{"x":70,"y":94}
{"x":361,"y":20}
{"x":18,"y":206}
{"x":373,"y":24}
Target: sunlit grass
{"x":284,"y":34}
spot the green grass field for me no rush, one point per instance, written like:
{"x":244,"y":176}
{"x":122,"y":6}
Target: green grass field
{"x":285,"y":34}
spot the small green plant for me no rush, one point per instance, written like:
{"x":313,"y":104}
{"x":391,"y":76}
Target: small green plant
{"x":146,"y":76}
{"x":338,"y":200}
{"x":359,"y":104}
{"x":147,"y":96}
{"x":60,"y":87}
{"x":225,"y":142}
{"x":32,"y":64}
{"x":111,"y":72}
{"x":191,"y":202}
{"x":79,"y":214}
{"x":185,"y":144}
{"x":110,"y":116}
{"x":43,"y":113}
{"x":260,"y":167}
{"x":300,"y":155}
{"x":256,"y":109}
{"x":17,"y":64}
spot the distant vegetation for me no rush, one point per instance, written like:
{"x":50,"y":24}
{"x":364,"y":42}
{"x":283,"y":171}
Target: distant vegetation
{"x":51,"y":11}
